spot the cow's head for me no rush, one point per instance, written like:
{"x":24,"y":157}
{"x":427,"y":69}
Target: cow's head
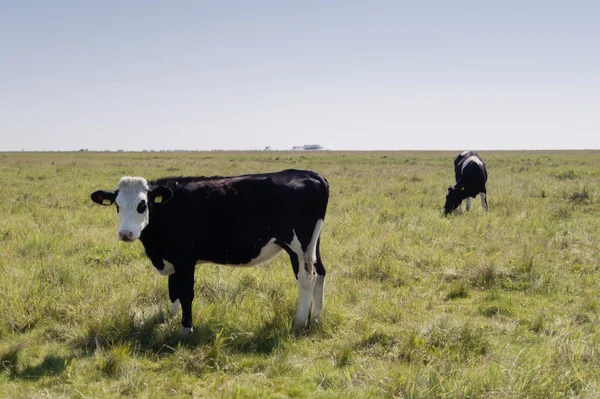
{"x":453,"y":199}
{"x":133,"y":199}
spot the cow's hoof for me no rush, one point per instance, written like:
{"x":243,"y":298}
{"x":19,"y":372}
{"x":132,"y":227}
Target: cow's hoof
{"x":174,"y":307}
{"x":297,"y":329}
{"x":186,"y":331}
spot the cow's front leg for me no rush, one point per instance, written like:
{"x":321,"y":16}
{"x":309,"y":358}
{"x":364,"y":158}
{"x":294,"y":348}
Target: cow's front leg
{"x":173,"y":294}
{"x":468,"y":202}
{"x":185,"y":288}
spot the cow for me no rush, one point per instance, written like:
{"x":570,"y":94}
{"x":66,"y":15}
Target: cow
{"x":238,"y":220}
{"x":471,"y":175}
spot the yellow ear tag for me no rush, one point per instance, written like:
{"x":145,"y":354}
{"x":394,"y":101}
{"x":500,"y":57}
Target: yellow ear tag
{"x":462,"y":189}
{"x":158,"y":199}
{"x":106,"y":202}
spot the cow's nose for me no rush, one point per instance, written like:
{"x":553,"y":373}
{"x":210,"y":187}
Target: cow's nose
{"x":126,"y":235}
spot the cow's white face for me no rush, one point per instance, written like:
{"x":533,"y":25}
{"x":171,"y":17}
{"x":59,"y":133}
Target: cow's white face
{"x":133,"y":199}
{"x":132,"y":206}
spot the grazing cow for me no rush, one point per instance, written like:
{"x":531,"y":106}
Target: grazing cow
{"x":471,"y":175}
{"x":239,"y":221}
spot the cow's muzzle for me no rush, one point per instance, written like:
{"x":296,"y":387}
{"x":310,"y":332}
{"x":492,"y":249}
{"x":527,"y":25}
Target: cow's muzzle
{"x":126,"y":235}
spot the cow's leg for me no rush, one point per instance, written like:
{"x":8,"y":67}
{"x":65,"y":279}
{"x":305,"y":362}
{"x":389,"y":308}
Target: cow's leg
{"x":484,"y":201}
{"x":304,"y":263}
{"x":305,"y":290}
{"x":295,"y":258}
{"x":318,"y":294}
{"x":185,"y":288}
{"x":305,"y":285}
{"x":311,"y":279}
{"x":314,"y":264}
{"x":468,"y":201}
{"x":173,"y":294}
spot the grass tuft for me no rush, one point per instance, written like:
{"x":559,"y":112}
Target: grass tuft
{"x":113,"y":361}
{"x":580,"y":196}
{"x":458,"y":290}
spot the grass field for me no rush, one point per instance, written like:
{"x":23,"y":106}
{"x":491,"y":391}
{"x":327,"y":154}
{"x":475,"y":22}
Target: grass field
{"x":498,"y":305}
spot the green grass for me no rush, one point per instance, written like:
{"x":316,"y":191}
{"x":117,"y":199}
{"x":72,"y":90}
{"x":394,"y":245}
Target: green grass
{"x":498,"y":305}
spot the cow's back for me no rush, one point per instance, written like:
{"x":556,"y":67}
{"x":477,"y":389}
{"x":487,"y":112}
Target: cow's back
{"x":228,"y":219}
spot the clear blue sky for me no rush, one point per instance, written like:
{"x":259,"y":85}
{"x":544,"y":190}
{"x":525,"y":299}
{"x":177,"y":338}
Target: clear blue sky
{"x":357,"y":75}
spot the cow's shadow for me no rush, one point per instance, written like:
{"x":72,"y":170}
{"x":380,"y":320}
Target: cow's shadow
{"x":160,"y":334}
{"x":50,"y":365}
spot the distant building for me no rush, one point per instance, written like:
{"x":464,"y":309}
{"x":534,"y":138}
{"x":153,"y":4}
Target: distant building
{"x":308,"y":147}
{"x":313,"y":147}
{"x":268,"y":148}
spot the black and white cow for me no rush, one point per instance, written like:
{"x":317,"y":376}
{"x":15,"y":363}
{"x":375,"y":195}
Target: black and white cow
{"x":471,"y":175}
{"x":239,"y":220}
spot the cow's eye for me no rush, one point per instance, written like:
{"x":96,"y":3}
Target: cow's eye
{"x":117,"y":208}
{"x":141,"y":208}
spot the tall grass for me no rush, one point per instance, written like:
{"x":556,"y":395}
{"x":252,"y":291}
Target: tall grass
{"x":501,"y":304}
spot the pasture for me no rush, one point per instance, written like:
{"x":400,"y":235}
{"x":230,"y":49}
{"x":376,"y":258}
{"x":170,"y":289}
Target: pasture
{"x":497,"y":305}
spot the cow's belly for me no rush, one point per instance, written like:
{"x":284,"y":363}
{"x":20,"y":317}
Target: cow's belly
{"x":245,"y":258}
{"x":269,"y":251}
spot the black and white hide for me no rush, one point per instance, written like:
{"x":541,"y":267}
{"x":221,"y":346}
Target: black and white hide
{"x":471,"y":175}
{"x":239,"y":221}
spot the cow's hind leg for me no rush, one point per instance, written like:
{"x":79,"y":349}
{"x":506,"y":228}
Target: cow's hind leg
{"x":294,"y":250}
{"x":314,"y":264}
{"x":173,"y":294}
{"x":311,"y":280}
{"x":468,"y":202}
{"x":318,"y":291}
{"x":305,"y":262}
{"x":484,"y":201}
{"x":305,"y":285}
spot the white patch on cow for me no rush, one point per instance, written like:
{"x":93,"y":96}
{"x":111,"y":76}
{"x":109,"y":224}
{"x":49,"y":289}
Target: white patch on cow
{"x":472,"y":158}
{"x":269,"y":251}
{"x":312,"y":246}
{"x":318,"y":298}
{"x":305,"y":290}
{"x":133,"y":183}
{"x":186,"y":331}
{"x":132,"y":190}
{"x":175,"y":307}
{"x":295,"y":245}
{"x":167,"y":270}
{"x":468,"y":201}
{"x":464,"y":153}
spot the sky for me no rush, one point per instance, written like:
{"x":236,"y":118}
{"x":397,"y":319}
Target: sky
{"x":348,"y":75}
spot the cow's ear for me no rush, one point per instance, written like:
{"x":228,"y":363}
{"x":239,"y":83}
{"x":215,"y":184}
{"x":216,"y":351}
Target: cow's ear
{"x":104,"y":197}
{"x":160,"y":194}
